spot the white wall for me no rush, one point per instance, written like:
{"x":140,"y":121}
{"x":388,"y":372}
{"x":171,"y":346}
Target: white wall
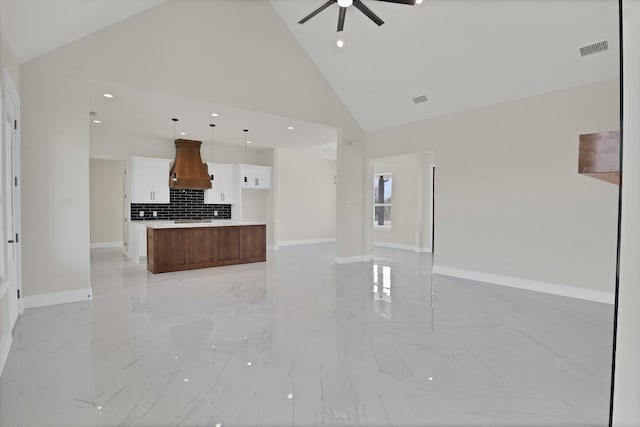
{"x":306,"y":196}
{"x":509,"y":200}
{"x":9,"y":60}
{"x":150,"y":51}
{"x":626,"y":407}
{"x":410,"y":204}
{"x":106,"y":200}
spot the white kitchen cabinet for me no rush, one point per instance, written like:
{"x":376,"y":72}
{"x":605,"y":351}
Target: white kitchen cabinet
{"x":224,"y":185}
{"x":137,"y":241}
{"x":258,"y":177}
{"x":149,"y":180}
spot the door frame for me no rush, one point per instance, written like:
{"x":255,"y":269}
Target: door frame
{"x":10,"y":112}
{"x":432,"y":207}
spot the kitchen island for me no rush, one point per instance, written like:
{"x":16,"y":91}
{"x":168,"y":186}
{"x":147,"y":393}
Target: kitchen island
{"x":175,"y":246}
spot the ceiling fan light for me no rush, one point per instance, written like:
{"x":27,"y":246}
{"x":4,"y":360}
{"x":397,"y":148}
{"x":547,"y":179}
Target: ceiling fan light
{"x":345,"y":3}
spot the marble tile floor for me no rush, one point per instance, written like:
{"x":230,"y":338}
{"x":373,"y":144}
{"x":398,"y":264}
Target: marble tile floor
{"x":300,"y":341}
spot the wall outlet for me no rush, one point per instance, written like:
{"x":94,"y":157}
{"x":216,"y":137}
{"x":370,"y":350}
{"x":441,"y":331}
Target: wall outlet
{"x":155,"y":214}
{"x":141,"y":213}
{"x":215,"y":213}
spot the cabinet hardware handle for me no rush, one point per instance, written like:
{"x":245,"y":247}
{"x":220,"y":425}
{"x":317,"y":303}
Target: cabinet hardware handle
{"x":10,"y":241}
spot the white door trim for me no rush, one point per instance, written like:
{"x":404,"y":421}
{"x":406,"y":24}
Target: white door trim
{"x":10,"y":93}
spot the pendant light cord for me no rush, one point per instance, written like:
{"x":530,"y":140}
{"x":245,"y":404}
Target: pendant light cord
{"x":212,"y":126}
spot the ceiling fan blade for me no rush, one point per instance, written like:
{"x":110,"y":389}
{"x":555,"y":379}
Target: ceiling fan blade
{"x":409,"y":2}
{"x":341,"y":16}
{"x":317,"y":11}
{"x":364,"y":9}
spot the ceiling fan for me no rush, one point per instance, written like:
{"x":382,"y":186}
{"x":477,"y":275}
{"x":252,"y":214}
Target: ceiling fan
{"x":345,"y":4}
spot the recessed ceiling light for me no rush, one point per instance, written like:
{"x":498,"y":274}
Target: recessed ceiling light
{"x":97,"y":122}
{"x":290,"y":396}
{"x":186,"y":380}
{"x":418,"y":1}
{"x":183,"y":133}
{"x":248,"y":142}
{"x":108,"y":95}
{"x":291,"y":128}
{"x":340,"y":43}
{"x":249,"y":363}
{"x":214,"y":114}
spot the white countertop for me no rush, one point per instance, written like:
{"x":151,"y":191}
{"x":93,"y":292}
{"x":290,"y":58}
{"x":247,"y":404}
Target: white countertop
{"x":212,"y":223}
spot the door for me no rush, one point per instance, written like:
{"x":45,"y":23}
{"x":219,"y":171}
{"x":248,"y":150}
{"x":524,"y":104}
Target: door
{"x":253,"y":241}
{"x":142,"y":181}
{"x":214,"y":195}
{"x":262,"y":177}
{"x":161,"y":169}
{"x":11,"y":269}
{"x":227,"y":245}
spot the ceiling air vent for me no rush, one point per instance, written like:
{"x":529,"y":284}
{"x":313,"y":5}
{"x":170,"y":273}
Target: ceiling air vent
{"x":92,"y":114}
{"x":594,"y":48}
{"x":420,"y":99}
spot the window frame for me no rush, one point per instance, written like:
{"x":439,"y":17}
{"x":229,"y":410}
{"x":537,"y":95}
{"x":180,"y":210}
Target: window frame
{"x":376,"y":205}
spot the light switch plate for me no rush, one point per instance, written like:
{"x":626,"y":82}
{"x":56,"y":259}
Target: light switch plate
{"x":155,"y":214}
{"x":215,"y":213}
{"x":141,"y":213}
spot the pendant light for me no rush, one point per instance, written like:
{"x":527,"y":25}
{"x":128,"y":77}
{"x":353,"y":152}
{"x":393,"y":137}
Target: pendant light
{"x":245,"y":155}
{"x":212,"y":126}
{"x":174,"y":177}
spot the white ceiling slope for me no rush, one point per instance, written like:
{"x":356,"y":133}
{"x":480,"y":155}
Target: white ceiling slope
{"x":143,"y":113}
{"x":35,"y":27}
{"x":462,"y":54}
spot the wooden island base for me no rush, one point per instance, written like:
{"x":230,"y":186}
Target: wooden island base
{"x":175,"y":249}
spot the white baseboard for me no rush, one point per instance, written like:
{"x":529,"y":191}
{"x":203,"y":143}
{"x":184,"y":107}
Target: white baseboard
{"x":423,"y":250}
{"x":305,"y":242}
{"x":106,"y":245}
{"x":352,"y":259}
{"x":530,"y":285}
{"x":413,"y":248}
{"x":5,"y":346}
{"x":54,"y":298}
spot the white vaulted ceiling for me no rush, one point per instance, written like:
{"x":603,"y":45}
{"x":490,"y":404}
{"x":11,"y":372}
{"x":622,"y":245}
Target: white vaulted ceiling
{"x":461,"y":54}
{"x":35,"y":27}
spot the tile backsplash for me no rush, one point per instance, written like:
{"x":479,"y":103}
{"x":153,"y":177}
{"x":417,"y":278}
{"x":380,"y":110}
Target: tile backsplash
{"x":185,"y":204}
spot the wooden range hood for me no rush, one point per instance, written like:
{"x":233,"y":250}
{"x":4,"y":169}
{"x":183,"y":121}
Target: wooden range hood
{"x":188,"y":171}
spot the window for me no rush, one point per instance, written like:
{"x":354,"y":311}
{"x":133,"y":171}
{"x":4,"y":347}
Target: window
{"x":382,"y":190}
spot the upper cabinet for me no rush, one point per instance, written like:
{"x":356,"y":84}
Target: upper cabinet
{"x":223,"y":186}
{"x":258,"y":177}
{"x":149,"y":180}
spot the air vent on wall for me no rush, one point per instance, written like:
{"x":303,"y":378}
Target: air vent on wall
{"x":420,"y":99}
{"x":92,"y":114}
{"x":594,"y":48}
